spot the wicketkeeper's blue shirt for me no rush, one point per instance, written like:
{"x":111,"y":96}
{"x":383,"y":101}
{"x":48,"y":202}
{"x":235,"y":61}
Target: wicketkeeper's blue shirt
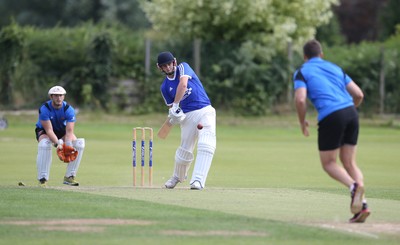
{"x":326,"y":86}
{"x":195,"y":96}
{"x":58,"y":117}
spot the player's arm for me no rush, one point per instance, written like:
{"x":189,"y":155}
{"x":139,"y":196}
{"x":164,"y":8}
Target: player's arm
{"x":69,"y":132}
{"x":181,"y":89}
{"x":175,"y":112}
{"x":301,"y":107}
{"x":355,"y":92}
{"x":46,"y":124}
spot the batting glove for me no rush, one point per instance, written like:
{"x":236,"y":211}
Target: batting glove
{"x":176,"y":115}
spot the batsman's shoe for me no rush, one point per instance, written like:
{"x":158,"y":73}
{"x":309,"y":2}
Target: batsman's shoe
{"x":196,"y":185}
{"x":172,"y":182}
{"x":362,"y":215}
{"x":70,"y":181}
{"x":43,"y":183}
{"x":357,"y":197}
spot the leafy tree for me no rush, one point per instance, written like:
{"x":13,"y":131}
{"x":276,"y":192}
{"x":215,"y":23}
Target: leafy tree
{"x":244,"y":40}
{"x":389,"y":17}
{"x":11,"y":42}
{"x":49,"y":13}
{"x":43,"y":13}
{"x":268,"y":23}
{"x":330,"y":34}
{"x":359,"y":19}
{"x":100,"y":60}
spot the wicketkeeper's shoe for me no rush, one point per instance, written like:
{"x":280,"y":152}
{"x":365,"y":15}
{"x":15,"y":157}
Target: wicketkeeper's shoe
{"x":70,"y":181}
{"x":43,"y":183}
{"x":361,"y":216}
{"x":196,"y":185}
{"x":172,"y":182}
{"x":357,"y":197}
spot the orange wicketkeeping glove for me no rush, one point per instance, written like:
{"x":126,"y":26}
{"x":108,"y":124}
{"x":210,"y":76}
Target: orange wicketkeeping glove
{"x":60,"y":154}
{"x":70,"y":153}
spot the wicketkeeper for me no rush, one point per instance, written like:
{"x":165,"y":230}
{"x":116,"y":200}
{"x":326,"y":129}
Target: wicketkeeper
{"x":190,"y":108}
{"x":55,"y":127}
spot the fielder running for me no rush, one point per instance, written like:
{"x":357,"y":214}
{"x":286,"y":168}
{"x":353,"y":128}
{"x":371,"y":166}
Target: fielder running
{"x":54,"y":127}
{"x":335,"y":96}
{"x":189,"y":106}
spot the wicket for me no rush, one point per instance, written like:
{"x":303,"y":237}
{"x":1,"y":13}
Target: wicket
{"x":142,"y":155}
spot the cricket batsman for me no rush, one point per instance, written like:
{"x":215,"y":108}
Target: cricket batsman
{"x":190,"y":108}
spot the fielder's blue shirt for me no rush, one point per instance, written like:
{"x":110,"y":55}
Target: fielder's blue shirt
{"x":58,"y":117}
{"x":195,"y":96}
{"x":326,"y":86}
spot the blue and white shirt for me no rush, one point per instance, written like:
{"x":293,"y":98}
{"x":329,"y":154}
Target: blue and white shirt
{"x":195,"y":96}
{"x":326,"y":86}
{"x":58,"y":117}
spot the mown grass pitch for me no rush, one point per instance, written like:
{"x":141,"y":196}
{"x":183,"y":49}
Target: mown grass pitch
{"x":266,"y":186}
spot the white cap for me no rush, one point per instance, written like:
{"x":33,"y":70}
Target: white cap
{"x":57,"y":90}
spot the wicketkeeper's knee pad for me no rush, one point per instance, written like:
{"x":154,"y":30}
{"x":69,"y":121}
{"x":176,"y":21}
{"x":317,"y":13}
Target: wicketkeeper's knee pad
{"x":43,"y":160}
{"x":79,"y":143}
{"x":72,"y":167}
{"x":207,"y":142}
{"x":45,"y":144}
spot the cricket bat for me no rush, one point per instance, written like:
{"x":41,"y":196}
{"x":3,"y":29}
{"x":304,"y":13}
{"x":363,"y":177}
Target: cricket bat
{"x":164,"y":130}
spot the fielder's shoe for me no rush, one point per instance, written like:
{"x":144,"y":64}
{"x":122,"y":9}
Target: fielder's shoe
{"x":196,"y":185}
{"x":70,"y":181}
{"x":357,"y":197}
{"x":361,"y":216}
{"x":172,"y":182}
{"x":43,"y":183}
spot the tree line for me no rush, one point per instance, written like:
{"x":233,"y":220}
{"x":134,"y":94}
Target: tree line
{"x":247,"y":56}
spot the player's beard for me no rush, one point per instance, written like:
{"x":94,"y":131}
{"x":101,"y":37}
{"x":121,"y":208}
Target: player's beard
{"x":57,"y":104}
{"x":171,"y":72}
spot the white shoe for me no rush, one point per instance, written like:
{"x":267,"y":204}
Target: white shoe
{"x":196,"y":185}
{"x":172,"y":182}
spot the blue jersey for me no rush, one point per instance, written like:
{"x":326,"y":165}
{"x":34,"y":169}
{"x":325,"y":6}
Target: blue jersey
{"x":58,"y":117}
{"x":195,"y":96}
{"x":326,"y":86}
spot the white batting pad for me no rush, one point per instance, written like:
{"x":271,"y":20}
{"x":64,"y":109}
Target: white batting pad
{"x":183,"y":159}
{"x":72,"y":167}
{"x":43,"y":160}
{"x":205,"y":152}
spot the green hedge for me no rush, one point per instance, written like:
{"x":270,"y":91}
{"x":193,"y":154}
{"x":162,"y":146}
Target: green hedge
{"x":102,"y":67}
{"x":86,"y":60}
{"x":364,"y":64}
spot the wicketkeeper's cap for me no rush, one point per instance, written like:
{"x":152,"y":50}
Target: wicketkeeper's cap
{"x":164,"y":58}
{"x":57,"y":90}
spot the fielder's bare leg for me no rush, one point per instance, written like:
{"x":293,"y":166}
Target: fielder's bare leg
{"x":348,"y":158}
{"x":344,"y":174}
{"x":337,"y":172}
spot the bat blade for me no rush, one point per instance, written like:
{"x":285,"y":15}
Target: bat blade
{"x":164,"y":130}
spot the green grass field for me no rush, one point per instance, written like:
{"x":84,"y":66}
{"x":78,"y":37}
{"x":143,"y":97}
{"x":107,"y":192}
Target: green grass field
{"x":266,"y":186}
